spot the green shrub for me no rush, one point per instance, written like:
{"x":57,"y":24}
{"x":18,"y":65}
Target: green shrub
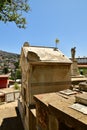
{"x":16,"y":86}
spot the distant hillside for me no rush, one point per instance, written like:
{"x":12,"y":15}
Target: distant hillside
{"x":5,"y":54}
{"x":8,"y":61}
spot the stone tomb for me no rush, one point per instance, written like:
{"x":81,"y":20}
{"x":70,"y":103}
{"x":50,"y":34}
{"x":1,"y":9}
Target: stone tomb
{"x":10,"y":94}
{"x":44,"y":70}
{"x":54,"y":112}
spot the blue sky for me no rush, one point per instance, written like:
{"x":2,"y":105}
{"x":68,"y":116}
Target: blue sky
{"x":48,"y":20}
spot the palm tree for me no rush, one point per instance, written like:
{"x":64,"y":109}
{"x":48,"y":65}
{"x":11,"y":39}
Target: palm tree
{"x":57,"y":41}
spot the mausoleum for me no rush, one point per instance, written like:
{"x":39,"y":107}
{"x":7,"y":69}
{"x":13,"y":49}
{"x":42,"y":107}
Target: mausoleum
{"x":44,"y":70}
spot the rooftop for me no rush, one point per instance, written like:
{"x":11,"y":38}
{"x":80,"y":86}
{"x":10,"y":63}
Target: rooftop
{"x":4,"y":76}
{"x":46,"y":54}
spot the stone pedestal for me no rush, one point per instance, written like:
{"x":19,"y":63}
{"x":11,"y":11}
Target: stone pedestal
{"x":74,"y":68}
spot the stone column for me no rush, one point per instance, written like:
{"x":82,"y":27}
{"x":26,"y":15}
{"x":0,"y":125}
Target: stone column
{"x":74,"y":67}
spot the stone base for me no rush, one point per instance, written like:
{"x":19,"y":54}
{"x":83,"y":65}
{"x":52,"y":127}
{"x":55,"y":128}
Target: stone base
{"x":74,"y":68}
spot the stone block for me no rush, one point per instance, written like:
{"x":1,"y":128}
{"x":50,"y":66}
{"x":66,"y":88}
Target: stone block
{"x":83,"y":86}
{"x":82,"y":98}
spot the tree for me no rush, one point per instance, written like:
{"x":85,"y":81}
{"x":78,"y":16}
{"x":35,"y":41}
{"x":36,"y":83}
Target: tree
{"x":12,"y":11}
{"x":18,"y":74}
{"x":5,"y":70}
{"x":16,"y":64}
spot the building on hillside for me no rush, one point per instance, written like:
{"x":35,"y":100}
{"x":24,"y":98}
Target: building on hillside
{"x":82,"y":60}
{"x":4,"y":81}
{"x":44,"y":70}
{"x":82,"y":65}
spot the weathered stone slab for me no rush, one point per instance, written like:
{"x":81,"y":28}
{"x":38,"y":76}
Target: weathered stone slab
{"x":83,"y":86}
{"x":9,"y":97}
{"x":79,"y":107}
{"x":16,"y":95}
{"x":82,"y":98}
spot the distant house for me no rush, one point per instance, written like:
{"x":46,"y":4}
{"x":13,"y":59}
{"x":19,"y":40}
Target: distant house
{"x":3,"y":81}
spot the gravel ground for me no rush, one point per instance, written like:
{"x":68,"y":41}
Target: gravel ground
{"x":10,"y":117}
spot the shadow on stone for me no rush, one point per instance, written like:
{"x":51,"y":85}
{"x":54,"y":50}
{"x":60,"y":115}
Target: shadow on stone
{"x":12,"y":123}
